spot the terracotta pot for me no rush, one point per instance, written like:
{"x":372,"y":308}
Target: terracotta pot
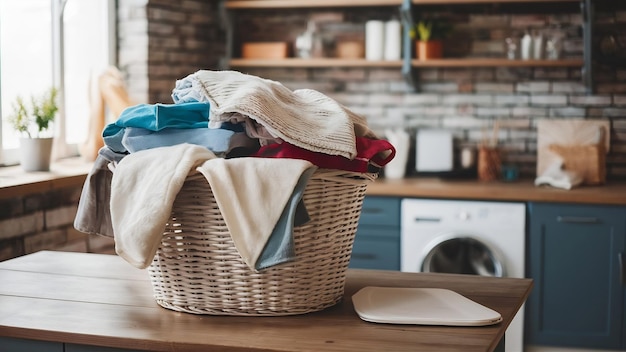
{"x":350,"y":49}
{"x":432,"y":49}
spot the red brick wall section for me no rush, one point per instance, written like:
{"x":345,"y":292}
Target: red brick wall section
{"x":45,"y":222}
{"x":161,"y":41}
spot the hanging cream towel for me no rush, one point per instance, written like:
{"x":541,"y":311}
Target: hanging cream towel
{"x":143,"y":188}
{"x":251,"y":194}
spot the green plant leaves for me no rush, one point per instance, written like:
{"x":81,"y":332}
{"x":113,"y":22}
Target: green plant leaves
{"x":42,"y":112}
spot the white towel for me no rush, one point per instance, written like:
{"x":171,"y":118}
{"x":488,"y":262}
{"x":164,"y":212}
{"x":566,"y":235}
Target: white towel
{"x":143,"y":189}
{"x":251,"y":194}
{"x":555,"y":176}
{"x":305,"y":118}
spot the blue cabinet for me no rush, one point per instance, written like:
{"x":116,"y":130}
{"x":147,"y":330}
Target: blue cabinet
{"x":10,"y":344}
{"x":377,"y":241}
{"x":575,"y":256}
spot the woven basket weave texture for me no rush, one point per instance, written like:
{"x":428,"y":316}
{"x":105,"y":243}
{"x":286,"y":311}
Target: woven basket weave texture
{"x":197,"y":268}
{"x":589,"y":161}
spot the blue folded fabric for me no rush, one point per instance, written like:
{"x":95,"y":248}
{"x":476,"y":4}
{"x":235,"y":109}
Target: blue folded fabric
{"x":156,"y":117}
{"x":280,"y":246}
{"x":215,"y":140}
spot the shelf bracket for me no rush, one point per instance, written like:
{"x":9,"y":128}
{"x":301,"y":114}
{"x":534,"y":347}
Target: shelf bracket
{"x":586,"y":7}
{"x":408,"y":71}
{"x":226,"y":21}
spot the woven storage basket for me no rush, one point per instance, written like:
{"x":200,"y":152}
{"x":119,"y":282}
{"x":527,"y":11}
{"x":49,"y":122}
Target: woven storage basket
{"x":197,"y":268}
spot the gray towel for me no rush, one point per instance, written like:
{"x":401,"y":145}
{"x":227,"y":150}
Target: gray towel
{"x":94,"y":214}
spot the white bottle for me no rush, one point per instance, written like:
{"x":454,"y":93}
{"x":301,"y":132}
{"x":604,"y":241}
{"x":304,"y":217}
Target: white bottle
{"x":374,"y":40}
{"x":393,"y":40}
{"x":526,"y":46}
{"x":538,"y":46}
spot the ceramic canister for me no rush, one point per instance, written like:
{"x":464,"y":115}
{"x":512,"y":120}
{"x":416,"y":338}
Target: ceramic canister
{"x":374,"y":40}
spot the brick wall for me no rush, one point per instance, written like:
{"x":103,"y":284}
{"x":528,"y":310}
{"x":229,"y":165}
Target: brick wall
{"x":44,"y":221}
{"x":162,"y":41}
{"x":159,"y":42}
{"x":468,"y":101}
{"x":183,"y":38}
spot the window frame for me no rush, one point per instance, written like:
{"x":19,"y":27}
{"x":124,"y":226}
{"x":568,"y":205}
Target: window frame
{"x":62,"y":149}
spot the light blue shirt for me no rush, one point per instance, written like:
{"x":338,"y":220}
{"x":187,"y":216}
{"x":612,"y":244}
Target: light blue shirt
{"x":156,"y":117}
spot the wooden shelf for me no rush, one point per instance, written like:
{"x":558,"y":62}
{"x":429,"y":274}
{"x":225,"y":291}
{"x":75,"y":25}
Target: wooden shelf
{"x":471,"y":62}
{"x":489,"y":62}
{"x":323,"y":62}
{"x":407,"y":65}
{"x":273,"y":4}
{"x":469,"y":2}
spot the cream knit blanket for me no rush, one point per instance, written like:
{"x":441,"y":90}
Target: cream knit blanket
{"x":305,"y":118}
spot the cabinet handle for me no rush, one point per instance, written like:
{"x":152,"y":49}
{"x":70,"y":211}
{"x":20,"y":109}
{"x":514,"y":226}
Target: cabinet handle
{"x":427,"y":219}
{"x":364,"y":256}
{"x":622,"y":270}
{"x":577,"y":219}
{"x":371,"y":210}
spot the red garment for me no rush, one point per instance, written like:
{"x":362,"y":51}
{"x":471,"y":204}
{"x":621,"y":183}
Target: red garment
{"x":374,"y":152}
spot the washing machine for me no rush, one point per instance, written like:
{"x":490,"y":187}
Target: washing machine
{"x":466,"y":237}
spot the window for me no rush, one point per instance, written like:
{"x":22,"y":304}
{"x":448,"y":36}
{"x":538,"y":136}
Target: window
{"x":31,"y":38}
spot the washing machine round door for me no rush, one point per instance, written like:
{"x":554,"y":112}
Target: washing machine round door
{"x":463,"y":255}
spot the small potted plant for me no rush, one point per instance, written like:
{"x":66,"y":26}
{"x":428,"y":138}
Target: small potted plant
{"x":33,"y":121}
{"x":428,"y":35}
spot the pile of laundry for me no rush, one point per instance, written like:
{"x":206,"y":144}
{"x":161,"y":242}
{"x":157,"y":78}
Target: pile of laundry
{"x":255,"y":141}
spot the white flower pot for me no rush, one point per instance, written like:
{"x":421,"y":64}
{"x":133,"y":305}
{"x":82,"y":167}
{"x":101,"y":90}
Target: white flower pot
{"x":35,"y":154}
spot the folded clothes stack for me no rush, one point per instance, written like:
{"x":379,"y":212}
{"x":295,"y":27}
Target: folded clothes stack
{"x":255,"y":141}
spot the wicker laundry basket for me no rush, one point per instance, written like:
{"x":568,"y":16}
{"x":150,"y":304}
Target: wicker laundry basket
{"x":197,"y":268}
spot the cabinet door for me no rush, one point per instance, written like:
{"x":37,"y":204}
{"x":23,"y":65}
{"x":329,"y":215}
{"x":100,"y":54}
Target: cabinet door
{"x":377,"y":241}
{"x":376,"y":248}
{"x":69,"y":347}
{"x":575,"y":256}
{"x":380,"y":211}
{"x":10,"y":344}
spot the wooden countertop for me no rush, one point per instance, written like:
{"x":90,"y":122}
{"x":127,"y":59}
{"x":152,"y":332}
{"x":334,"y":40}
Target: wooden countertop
{"x":612,"y":193}
{"x":72,"y":172}
{"x":96,"y":299}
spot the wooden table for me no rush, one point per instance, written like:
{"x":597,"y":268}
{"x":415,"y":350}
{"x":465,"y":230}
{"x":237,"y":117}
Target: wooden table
{"x":60,"y":301}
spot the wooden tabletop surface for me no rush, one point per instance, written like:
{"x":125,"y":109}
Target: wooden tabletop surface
{"x":98,"y":299}
{"x":611,"y":193}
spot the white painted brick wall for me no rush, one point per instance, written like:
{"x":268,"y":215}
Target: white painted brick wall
{"x":532,"y":87}
{"x":590,"y":100}
{"x":568,"y":87}
{"x":497,"y":112}
{"x":424,"y":99}
{"x":478,"y":99}
{"x":490,"y":87}
{"x":568,"y":112}
{"x":548,"y":100}
{"x":516,"y":99}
